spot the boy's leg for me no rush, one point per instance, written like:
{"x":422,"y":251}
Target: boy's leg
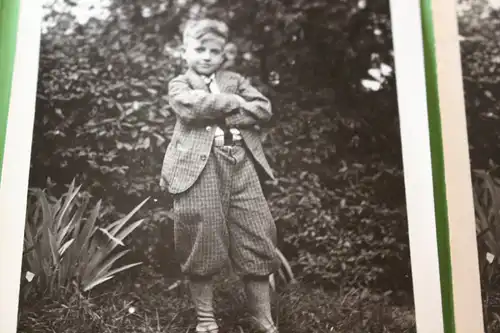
{"x":259,"y":300}
{"x":200,"y":231}
{"x":202,"y":297}
{"x":252,"y":234}
{"x":201,"y":240}
{"x":251,"y":227}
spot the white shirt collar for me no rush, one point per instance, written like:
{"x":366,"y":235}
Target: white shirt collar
{"x":209,"y":79}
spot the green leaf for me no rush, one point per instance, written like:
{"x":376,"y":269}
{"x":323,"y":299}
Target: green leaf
{"x":77,"y":219}
{"x":63,"y":214}
{"x":113,"y":239}
{"x":113,"y":228}
{"x":65,"y":246}
{"x":121,"y":236}
{"x":88,"y":229}
{"x":46,"y":210}
{"x":53,"y":248}
{"x":103,"y":270}
{"x":123,"y":268}
{"x":33,"y":255}
{"x":62,"y":235}
{"x":92,"y":284}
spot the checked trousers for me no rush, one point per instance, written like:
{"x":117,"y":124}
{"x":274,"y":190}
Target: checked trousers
{"x":224,"y":217}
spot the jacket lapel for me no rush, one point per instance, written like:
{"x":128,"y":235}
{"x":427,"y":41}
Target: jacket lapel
{"x":219,"y":81}
{"x":225,"y":82}
{"x":196,"y":80}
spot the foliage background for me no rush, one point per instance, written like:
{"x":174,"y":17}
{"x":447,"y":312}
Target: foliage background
{"x":102,"y":117}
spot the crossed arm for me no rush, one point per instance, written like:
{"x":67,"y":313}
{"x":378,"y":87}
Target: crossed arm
{"x":193,"y":106}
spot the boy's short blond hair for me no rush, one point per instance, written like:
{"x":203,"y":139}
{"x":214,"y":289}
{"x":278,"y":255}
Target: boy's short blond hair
{"x":197,"y":29}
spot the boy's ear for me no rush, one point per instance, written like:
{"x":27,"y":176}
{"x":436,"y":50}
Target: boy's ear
{"x":182,"y":50}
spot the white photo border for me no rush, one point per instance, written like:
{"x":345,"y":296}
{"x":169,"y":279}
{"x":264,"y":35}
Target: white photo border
{"x":415,"y":140}
{"x":465,"y":276}
{"x":16,"y":160}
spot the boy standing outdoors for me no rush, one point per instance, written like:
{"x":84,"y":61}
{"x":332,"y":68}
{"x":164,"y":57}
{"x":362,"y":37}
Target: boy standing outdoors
{"x":210,"y":168}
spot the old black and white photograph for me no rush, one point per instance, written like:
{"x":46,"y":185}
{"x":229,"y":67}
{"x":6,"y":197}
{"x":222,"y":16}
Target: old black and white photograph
{"x":479,"y":23}
{"x":228,"y":166}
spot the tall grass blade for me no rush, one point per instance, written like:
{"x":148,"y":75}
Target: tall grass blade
{"x":63,"y":214}
{"x":65,"y":246}
{"x":97,"y":253}
{"x":107,"y":265}
{"x":62,"y":235}
{"x":53,"y":247}
{"x":36,"y":215}
{"x":77,"y":219}
{"x":88,"y":228}
{"x":33,"y":256}
{"x":483,"y":225}
{"x":92,"y":284}
{"x":127,"y":231}
{"x":116,"y":226}
{"x":46,"y":211}
{"x":113,"y":239}
{"x":123,"y":268}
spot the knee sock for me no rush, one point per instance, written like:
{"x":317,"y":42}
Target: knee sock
{"x":259,"y":301}
{"x":202,"y":297}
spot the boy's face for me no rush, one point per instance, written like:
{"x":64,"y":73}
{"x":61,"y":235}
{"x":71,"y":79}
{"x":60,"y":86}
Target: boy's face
{"x":204,"y":55}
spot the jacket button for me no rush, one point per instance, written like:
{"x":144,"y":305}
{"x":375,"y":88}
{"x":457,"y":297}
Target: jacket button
{"x":203,"y":157}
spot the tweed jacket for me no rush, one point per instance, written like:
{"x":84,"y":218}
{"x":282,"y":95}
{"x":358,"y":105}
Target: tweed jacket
{"x":198,"y":112}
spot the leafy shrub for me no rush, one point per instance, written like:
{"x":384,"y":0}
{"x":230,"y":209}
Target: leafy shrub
{"x":486,"y":191}
{"x":479,"y":22}
{"x":341,"y":213}
{"x":67,"y":246}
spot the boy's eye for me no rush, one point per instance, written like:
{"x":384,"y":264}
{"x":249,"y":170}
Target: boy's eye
{"x":216,"y":52}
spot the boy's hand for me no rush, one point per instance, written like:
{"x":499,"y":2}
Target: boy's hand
{"x":252,"y":103}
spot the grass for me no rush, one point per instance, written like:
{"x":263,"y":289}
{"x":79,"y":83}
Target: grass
{"x":145,"y":304}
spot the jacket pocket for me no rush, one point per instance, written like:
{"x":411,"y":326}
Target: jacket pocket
{"x":170,"y":163}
